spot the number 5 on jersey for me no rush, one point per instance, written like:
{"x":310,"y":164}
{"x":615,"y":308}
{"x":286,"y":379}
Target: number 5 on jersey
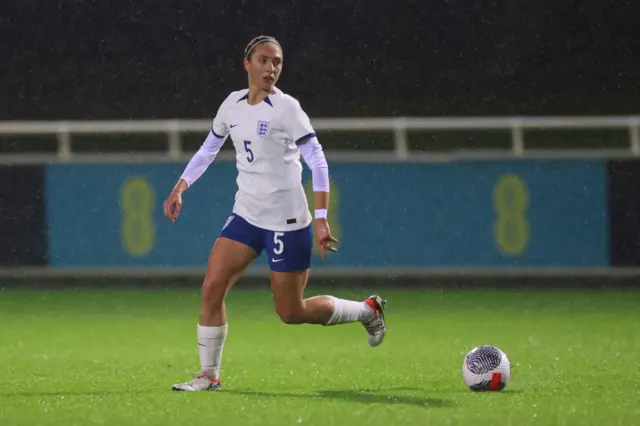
{"x":247,"y":148}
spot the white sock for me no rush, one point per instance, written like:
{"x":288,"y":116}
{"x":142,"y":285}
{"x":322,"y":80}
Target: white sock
{"x":210,"y":345}
{"x":345,"y":311}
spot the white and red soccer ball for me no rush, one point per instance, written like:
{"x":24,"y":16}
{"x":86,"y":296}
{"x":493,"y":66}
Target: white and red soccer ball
{"x":486,"y":368}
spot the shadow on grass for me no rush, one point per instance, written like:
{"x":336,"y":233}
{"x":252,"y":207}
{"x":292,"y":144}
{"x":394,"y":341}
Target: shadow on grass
{"x":387,"y":396}
{"x":364,"y":396}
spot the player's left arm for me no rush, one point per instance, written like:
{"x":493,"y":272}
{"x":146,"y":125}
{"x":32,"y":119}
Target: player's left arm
{"x":299,"y":128}
{"x":314,"y":157}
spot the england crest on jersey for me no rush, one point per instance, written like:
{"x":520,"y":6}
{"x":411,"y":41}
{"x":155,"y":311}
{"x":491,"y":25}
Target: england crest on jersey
{"x":263,"y":129}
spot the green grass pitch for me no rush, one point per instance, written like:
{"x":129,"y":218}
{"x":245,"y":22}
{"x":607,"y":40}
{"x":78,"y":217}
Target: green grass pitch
{"x":109,"y":357}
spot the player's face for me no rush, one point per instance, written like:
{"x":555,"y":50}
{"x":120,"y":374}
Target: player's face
{"x":265,"y":66}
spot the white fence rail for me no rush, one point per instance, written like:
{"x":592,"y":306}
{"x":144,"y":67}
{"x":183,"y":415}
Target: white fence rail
{"x":399,"y":127}
{"x":174,"y":128}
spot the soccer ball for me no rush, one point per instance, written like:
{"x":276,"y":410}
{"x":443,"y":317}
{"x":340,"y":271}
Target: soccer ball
{"x":486,"y":368}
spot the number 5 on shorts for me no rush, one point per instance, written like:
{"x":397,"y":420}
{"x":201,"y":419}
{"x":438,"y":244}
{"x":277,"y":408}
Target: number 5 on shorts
{"x":279,"y":245}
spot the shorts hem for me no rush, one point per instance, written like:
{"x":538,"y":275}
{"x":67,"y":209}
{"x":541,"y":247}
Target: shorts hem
{"x":289,"y":269}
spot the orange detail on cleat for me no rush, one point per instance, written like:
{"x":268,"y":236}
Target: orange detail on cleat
{"x":371,"y":305}
{"x":204,"y":376}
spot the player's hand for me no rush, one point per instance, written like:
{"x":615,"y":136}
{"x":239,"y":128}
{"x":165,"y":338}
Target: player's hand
{"x":324,"y":237}
{"x":173,"y":205}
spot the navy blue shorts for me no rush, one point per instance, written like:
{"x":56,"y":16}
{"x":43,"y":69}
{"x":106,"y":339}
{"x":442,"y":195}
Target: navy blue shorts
{"x":286,"y":251}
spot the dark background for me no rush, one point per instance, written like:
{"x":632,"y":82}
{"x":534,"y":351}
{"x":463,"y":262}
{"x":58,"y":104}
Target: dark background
{"x":624,"y":213}
{"x":83,"y":59}
{"x":23,"y":239}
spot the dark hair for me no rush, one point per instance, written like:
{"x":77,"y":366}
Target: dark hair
{"x":248,"y":51}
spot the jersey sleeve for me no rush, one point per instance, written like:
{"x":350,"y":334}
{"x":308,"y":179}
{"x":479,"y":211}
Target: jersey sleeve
{"x":202,"y":158}
{"x":314,"y":157}
{"x":219,"y":127}
{"x":297,"y":124}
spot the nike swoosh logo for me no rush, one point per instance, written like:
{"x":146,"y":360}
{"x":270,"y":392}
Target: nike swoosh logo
{"x":233,"y":125}
{"x":276,"y":260}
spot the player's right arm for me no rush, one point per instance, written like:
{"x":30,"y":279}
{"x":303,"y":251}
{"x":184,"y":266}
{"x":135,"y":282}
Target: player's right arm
{"x":198,"y":164}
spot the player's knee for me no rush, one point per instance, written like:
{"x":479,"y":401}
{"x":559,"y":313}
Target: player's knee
{"x":214,"y":288}
{"x":290,"y":316}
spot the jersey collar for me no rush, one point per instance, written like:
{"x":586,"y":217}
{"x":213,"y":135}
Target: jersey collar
{"x":266,"y":99}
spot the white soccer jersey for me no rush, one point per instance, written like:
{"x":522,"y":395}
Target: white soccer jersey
{"x":265,"y":136}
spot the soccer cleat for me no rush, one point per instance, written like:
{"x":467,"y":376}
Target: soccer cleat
{"x":201,"y":383}
{"x":376,"y":326}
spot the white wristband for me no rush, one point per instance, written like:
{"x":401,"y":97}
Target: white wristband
{"x":321,"y":213}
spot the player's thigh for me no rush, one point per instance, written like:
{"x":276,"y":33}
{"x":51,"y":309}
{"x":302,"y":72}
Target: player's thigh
{"x":289,"y":260}
{"x":238,"y":245}
{"x":227,"y":260}
{"x":288,"y":293}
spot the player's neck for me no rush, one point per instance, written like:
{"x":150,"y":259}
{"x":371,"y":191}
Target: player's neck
{"x":256,"y":95}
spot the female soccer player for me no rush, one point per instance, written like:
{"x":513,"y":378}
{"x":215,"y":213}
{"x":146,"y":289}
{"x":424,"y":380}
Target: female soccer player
{"x":270,"y":131}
